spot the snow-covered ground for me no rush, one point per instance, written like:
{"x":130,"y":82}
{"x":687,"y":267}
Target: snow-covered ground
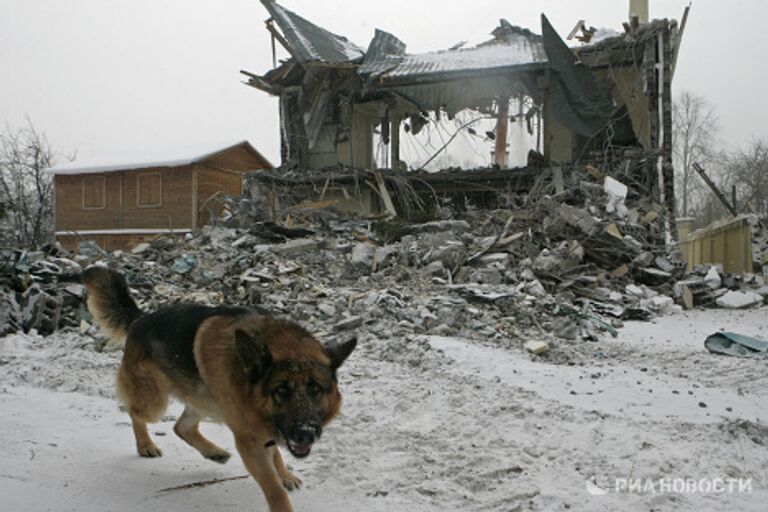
{"x":429,"y":424}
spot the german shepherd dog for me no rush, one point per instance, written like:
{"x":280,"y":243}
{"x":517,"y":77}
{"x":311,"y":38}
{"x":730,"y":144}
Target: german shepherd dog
{"x":266,"y":378}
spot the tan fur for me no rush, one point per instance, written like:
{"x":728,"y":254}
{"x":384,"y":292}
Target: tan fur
{"x":143,"y":388}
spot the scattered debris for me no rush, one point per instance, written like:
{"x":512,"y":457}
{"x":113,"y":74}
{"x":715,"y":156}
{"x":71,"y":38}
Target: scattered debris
{"x":544,"y":267}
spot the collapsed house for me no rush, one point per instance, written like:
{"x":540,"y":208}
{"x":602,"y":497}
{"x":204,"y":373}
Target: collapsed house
{"x":606,"y":103}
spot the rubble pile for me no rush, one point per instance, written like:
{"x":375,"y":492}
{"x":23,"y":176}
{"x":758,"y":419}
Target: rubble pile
{"x":569,"y":267}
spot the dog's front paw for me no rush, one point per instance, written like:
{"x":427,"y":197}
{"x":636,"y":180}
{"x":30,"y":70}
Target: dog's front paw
{"x":149,"y":450}
{"x":290,"y":481}
{"x":221,"y":457}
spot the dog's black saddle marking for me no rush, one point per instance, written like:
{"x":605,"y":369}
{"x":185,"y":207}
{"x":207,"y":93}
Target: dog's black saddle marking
{"x":168,"y":335}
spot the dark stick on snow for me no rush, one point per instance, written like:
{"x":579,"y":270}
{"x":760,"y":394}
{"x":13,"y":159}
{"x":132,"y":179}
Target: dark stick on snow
{"x":204,"y":483}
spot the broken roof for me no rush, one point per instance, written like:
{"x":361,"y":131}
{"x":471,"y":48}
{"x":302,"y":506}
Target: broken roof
{"x":309,"y":42}
{"x":512,"y":47}
{"x":167,"y":157}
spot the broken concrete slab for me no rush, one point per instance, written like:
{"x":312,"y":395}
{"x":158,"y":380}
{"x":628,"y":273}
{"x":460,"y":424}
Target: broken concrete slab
{"x":348,"y":324}
{"x":140,"y":248}
{"x":615,"y":188}
{"x":362,"y":256}
{"x":653,"y":276}
{"x":547,"y":262}
{"x":536,"y":347}
{"x":739,"y":300}
{"x":291,"y":247}
{"x":454,"y":226}
{"x":41,"y":311}
{"x":664,"y":264}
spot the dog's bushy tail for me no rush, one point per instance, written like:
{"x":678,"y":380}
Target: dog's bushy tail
{"x":110,"y":302}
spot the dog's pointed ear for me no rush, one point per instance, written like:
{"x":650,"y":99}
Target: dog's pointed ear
{"x":252,"y":353}
{"x":338,"y":352}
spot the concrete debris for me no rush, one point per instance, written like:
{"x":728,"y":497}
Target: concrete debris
{"x":361,"y":259}
{"x":184,"y":264}
{"x":536,"y":347}
{"x":10,"y":314}
{"x":350,"y":323}
{"x":615,"y":188}
{"x":292,"y":247}
{"x":41,"y":312}
{"x":662,"y":304}
{"x":141,"y":248}
{"x":568,"y":267}
{"x":739,"y":300}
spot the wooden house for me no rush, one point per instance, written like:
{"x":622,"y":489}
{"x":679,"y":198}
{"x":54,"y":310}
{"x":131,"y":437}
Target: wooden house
{"x":121,"y":200}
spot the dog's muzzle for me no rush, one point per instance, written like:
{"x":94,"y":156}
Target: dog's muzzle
{"x":301,"y":439}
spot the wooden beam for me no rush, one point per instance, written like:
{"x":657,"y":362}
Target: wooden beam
{"x":388,"y":204}
{"x":502,"y":128}
{"x":259,"y":83}
{"x":394,"y":134}
{"x":711,"y":184}
{"x":194,"y":197}
{"x":277,"y":35}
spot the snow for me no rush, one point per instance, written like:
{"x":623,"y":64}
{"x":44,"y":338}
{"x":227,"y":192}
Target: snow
{"x":713,"y":278}
{"x":162,"y":157}
{"x":428,"y":424}
{"x":519,"y":52}
{"x":603,"y":33}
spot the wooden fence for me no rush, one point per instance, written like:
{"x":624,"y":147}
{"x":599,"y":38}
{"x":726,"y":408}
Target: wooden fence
{"x":727,"y":242}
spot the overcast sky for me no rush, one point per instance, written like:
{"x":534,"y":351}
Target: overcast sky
{"x":100,"y":76}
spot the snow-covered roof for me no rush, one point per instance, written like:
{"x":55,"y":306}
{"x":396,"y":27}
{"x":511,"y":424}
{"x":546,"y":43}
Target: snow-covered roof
{"x":166,"y":157}
{"x":512,"y":47}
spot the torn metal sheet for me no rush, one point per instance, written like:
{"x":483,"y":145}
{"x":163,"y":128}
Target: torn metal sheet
{"x":385,"y":52}
{"x":578,"y":100}
{"x":733,"y":344}
{"x":310,"y":42}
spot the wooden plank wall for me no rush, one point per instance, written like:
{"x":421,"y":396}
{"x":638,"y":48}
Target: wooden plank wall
{"x":184,"y":191}
{"x":728,"y":243}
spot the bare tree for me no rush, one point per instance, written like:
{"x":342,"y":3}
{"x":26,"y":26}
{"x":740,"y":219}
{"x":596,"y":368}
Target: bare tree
{"x":26,"y":191}
{"x":695,"y":129}
{"x":748,"y":171}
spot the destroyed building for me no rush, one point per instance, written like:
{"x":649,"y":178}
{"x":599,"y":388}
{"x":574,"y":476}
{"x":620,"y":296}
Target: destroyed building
{"x":606,"y":103}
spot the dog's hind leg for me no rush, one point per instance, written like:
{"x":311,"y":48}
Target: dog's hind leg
{"x":187,"y":428}
{"x":144,"y":391}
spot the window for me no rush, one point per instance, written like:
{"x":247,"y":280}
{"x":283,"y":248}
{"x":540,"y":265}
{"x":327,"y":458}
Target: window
{"x":94,"y":192}
{"x":149,"y":190}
